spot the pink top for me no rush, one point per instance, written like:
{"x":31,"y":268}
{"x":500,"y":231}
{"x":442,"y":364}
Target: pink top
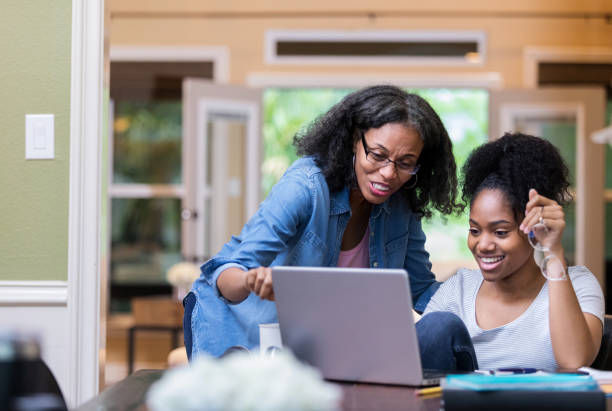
{"x":358,"y":257}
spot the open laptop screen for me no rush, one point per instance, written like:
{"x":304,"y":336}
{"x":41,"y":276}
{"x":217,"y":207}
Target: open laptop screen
{"x":352,"y":324}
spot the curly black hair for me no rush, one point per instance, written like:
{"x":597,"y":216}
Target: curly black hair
{"x":331,"y":137}
{"x":513,"y":164}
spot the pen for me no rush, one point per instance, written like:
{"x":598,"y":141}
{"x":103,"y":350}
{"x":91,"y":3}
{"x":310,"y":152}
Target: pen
{"x":429,"y":391}
{"x":518,"y":370}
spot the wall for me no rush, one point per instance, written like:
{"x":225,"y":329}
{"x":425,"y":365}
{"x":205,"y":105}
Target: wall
{"x":35,"y":40}
{"x":241,"y":25}
{"x":34,"y":78}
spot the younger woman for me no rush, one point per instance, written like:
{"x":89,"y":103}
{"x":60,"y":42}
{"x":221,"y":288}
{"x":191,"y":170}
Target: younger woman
{"x":524,"y":307}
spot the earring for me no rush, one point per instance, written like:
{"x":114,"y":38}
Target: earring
{"x":416,"y":177}
{"x":354,"y":184}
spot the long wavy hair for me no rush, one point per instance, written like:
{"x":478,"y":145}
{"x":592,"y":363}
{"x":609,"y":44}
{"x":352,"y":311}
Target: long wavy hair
{"x":331,"y":137}
{"x":513,"y":164}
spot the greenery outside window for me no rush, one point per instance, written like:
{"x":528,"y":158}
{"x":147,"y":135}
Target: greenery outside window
{"x":464,"y":113}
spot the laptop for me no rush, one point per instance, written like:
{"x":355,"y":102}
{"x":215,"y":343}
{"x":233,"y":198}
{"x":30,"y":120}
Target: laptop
{"x":353,"y":324}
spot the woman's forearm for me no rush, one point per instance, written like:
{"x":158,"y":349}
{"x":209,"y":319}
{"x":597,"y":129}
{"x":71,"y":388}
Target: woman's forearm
{"x":574,"y":343}
{"x":232,"y":284}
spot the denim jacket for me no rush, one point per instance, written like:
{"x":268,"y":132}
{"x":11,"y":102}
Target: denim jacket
{"x":301,"y":223}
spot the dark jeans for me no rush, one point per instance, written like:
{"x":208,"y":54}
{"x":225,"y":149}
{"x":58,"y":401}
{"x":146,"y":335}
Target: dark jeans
{"x":445,"y":343}
{"x":188,"y":303}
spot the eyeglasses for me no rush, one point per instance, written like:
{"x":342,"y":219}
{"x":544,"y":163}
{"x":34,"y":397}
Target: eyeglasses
{"x":552,"y":268}
{"x":380,"y":160}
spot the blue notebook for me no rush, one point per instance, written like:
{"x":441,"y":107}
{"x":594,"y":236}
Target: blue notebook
{"x":541,"y":392}
{"x":544,"y":381}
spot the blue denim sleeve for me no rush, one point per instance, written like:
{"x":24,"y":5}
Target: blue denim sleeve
{"x":423,"y":283}
{"x":269,"y":232}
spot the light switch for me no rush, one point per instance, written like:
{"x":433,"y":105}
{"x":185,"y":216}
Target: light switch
{"x":40,"y":136}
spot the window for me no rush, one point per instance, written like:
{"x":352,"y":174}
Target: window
{"x":464,"y":112}
{"x":458,"y":48}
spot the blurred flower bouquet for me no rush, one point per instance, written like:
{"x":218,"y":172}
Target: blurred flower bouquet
{"x":241,"y":382}
{"x":181,"y":276}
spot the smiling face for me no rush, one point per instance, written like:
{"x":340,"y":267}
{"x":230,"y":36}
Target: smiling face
{"x":499,"y":247}
{"x":397,"y":142}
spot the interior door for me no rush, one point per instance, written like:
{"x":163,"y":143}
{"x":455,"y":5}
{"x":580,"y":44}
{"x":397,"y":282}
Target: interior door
{"x":221,"y":164}
{"x":566,"y":117}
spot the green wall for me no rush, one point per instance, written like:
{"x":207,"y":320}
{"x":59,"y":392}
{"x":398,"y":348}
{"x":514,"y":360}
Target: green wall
{"x":34,"y":79}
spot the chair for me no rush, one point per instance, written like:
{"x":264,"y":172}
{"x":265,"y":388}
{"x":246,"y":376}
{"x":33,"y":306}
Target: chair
{"x":28,"y":384}
{"x":604,"y":358}
{"x":154,"y":313}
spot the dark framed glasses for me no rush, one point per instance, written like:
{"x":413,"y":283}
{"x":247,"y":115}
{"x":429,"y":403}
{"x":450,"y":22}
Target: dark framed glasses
{"x":380,"y":159}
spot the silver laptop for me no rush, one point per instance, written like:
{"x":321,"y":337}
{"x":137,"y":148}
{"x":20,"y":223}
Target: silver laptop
{"x":353,"y":324}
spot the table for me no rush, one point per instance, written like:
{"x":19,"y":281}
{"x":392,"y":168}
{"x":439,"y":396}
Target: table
{"x":129,"y":394}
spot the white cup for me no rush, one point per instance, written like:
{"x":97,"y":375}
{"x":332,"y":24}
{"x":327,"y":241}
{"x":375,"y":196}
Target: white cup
{"x":269,"y":338}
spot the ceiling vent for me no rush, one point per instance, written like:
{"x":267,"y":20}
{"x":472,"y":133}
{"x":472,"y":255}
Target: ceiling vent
{"x":375,"y":47}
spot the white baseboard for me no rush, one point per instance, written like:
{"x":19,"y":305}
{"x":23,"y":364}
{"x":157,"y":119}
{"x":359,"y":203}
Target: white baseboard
{"x":33,"y":293}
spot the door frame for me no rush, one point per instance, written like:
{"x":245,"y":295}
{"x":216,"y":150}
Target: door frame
{"x":219,"y":57}
{"x":252,"y":158}
{"x":87,"y":109}
{"x":200,"y":97}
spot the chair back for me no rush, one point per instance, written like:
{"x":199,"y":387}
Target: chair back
{"x":604,"y":357}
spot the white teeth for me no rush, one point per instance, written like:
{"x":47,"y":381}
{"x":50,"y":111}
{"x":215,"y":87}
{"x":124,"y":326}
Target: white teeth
{"x":489,"y":260}
{"x":380,"y":187}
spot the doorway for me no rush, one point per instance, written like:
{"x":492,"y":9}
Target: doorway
{"x":145,"y":193}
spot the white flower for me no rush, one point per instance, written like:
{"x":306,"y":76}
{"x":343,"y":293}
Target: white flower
{"x":181,"y":274}
{"x":244,"y":382}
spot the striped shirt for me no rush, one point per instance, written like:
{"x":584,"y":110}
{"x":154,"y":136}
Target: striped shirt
{"x":525,"y":341}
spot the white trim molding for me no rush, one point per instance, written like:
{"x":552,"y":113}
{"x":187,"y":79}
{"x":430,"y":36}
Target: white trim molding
{"x":84,"y":232}
{"x":487,"y":80}
{"x":219,"y":55}
{"x":373,"y":36}
{"x":533,"y":56}
{"x":33,"y":293}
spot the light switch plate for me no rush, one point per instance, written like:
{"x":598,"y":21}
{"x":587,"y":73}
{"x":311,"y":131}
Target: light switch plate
{"x":40,"y":136}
